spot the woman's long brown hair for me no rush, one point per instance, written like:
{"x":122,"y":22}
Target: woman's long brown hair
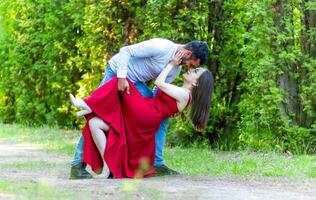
{"x":201,"y":100}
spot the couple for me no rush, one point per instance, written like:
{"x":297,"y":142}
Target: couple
{"x":127,"y":131}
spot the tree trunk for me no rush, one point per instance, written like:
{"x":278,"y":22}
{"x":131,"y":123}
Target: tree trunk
{"x":312,"y":54}
{"x":287,"y":83}
{"x":215,"y":15}
{"x":308,"y":48}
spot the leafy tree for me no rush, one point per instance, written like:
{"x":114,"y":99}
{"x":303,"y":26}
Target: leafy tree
{"x":262,"y":55}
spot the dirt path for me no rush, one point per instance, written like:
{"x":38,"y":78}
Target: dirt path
{"x":23,"y":164}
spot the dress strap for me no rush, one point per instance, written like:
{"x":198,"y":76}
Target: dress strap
{"x":190,"y":98}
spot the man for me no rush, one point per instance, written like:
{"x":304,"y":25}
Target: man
{"x":139,"y":63}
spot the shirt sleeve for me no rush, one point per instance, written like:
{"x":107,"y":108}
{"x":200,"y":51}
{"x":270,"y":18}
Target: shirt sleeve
{"x":148,"y":48}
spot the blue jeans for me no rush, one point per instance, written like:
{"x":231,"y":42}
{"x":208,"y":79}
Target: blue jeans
{"x":160,"y":135}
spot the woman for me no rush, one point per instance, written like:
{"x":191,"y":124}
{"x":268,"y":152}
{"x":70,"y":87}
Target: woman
{"x":130,"y":121}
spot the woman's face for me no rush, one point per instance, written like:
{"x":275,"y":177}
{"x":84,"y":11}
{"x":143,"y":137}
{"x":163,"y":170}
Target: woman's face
{"x":190,"y":62}
{"x":193,"y":75}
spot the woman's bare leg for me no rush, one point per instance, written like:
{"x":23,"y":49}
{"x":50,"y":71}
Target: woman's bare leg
{"x":97,"y":128}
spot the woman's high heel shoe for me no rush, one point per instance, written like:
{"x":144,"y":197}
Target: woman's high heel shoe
{"x":82,"y":112}
{"x":79,"y":103}
{"x":74,"y":101}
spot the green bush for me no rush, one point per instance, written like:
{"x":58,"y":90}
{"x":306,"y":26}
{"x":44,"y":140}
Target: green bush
{"x":262,"y":55}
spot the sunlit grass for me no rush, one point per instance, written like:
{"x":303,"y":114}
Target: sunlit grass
{"x":52,"y":139}
{"x":42,"y":189}
{"x":189,"y":161}
{"x":30,"y":165}
{"x":206,"y":162}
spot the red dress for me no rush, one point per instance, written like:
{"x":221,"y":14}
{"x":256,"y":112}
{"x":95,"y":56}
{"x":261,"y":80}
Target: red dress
{"x":134,"y":121}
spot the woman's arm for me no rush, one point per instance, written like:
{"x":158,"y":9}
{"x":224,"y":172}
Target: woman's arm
{"x":178,"y":93}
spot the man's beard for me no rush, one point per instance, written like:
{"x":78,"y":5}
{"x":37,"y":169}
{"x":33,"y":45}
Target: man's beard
{"x":183,"y":61}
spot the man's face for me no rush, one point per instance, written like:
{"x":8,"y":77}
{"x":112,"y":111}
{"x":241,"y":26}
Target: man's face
{"x":191,"y":62}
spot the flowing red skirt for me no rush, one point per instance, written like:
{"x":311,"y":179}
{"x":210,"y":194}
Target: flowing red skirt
{"x":133,"y":122}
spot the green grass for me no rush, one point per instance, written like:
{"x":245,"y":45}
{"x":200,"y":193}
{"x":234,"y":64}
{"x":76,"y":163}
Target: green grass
{"x":245,"y":164}
{"x":190,"y":161}
{"x":52,"y":139}
{"x":30,"y":165}
{"x":43,"y":189}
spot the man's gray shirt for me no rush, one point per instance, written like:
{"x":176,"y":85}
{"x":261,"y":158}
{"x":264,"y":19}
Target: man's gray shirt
{"x":145,"y":60}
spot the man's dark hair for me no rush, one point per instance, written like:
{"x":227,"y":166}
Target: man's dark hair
{"x":199,"y":50}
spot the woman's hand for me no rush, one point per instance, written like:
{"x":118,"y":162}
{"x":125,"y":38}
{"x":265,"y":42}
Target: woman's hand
{"x":177,"y":58}
{"x":161,"y":79}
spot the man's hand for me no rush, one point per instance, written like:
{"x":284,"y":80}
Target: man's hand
{"x":123,"y":85}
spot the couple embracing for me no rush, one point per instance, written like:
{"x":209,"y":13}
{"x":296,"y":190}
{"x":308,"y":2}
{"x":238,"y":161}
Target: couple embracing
{"x":127,"y":122}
